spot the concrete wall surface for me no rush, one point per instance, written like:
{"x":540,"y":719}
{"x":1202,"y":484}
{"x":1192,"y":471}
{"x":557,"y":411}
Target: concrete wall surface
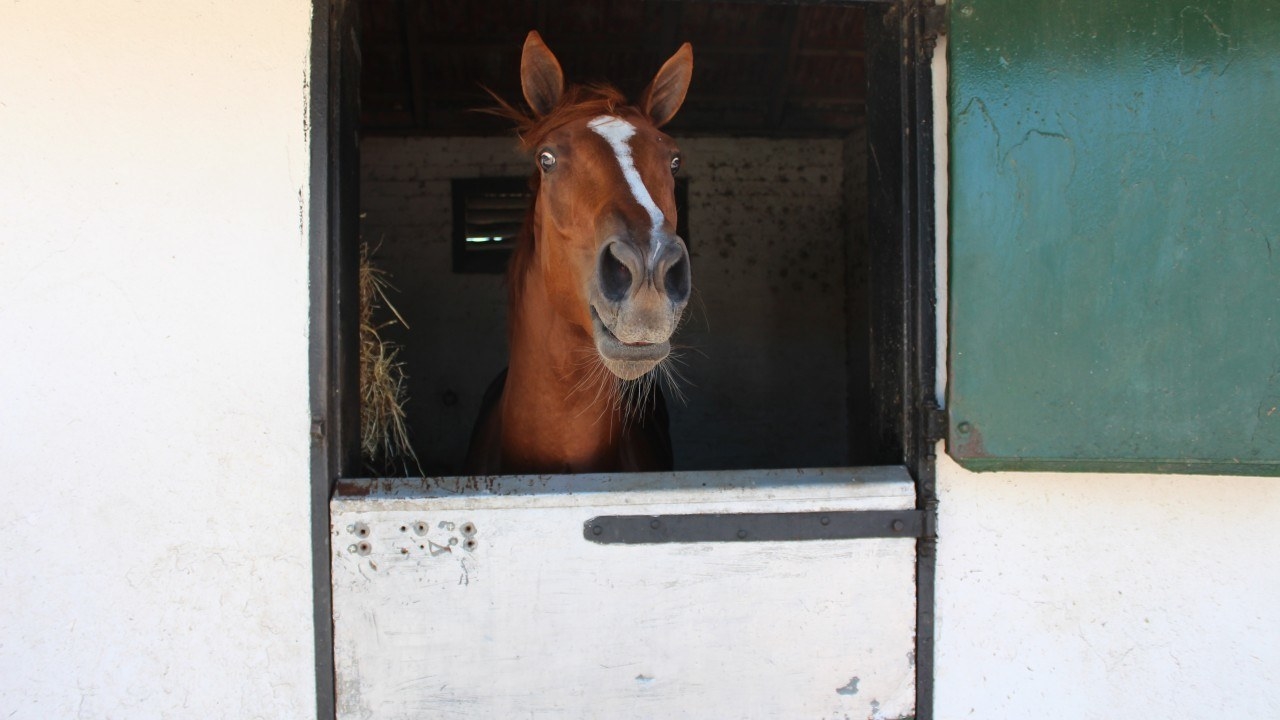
{"x":1107,"y":596}
{"x":153,"y":378}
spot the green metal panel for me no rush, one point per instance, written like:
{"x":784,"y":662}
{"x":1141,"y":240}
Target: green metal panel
{"x":1115,"y":235}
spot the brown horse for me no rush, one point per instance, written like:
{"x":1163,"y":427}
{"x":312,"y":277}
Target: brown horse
{"x":598,"y":281}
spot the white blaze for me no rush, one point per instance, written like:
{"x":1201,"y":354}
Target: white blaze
{"x":618,"y":132}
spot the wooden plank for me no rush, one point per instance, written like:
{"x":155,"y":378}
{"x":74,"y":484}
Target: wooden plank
{"x":490,"y":603}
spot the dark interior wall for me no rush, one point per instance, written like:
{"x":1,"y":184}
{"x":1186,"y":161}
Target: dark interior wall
{"x":455,"y":342}
{"x":857,"y":316}
{"x":766,"y":358}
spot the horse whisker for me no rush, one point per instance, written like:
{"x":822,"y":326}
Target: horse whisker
{"x":672,"y":379}
{"x":702,"y":305}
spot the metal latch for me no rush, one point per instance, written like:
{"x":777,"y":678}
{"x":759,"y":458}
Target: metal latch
{"x":753,"y":527}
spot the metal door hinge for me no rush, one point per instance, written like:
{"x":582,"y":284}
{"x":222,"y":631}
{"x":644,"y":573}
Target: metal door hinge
{"x":753,"y":527}
{"x":935,"y":422}
{"x":317,"y":430}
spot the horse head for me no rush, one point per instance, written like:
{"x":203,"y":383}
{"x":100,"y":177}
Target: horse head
{"x":604,"y":219}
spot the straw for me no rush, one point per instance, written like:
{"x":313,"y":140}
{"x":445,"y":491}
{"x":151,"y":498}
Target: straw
{"x":384,"y":434}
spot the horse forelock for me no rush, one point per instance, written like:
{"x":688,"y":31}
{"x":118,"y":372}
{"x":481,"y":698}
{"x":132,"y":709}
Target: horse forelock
{"x":578,"y":102}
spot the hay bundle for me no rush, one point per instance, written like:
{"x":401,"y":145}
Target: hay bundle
{"x":384,"y":436}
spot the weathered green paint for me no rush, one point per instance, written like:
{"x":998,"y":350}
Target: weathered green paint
{"x":1115,"y":235}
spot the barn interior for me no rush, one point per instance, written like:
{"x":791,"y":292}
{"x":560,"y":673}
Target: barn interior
{"x":775,"y":354}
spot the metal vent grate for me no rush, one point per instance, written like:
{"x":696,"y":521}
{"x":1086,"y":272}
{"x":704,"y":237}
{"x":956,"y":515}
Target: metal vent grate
{"x":487,"y":214}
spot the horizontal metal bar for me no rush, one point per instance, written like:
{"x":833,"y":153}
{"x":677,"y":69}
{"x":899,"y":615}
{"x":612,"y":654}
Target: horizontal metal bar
{"x":753,"y":527}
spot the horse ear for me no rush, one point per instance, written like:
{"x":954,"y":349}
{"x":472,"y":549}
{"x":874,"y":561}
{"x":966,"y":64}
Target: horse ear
{"x":540,"y":75}
{"x":666,"y":93}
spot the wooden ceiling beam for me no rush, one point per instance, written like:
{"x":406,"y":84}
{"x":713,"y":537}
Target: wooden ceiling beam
{"x":786,"y":48}
{"x":789,"y":77}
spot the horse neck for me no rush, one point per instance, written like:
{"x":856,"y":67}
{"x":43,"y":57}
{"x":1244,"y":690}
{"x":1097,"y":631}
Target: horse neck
{"x":560,"y":409}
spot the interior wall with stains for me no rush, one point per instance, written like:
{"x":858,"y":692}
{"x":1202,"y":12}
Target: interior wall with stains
{"x":762,"y":350}
{"x":455,"y":342}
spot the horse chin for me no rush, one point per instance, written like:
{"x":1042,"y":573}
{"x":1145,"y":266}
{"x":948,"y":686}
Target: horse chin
{"x":626,"y":360}
{"x":628,"y":369}
{"x":629,"y":362}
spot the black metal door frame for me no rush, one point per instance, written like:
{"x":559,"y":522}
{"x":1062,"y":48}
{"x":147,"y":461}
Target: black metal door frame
{"x":904,"y":300}
{"x":333,"y":218}
{"x":902,"y":324}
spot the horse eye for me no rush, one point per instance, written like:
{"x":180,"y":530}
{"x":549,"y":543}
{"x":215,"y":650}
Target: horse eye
{"x":675,"y":165}
{"x":546,"y":160}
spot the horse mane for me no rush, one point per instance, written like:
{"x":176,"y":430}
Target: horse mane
{"x":522,"y":255}
{"x":578,"y":102}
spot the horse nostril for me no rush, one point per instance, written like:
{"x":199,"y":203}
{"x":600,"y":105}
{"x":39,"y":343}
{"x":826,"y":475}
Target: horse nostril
{"x":677,"y":280}
{"x":615,"y":276}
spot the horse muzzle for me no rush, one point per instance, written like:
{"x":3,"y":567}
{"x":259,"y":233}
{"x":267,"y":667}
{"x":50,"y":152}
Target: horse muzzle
{"x":637,"y":302}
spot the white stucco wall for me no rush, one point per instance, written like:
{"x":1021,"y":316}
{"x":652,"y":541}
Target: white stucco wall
{"x":153,"y":378}
{"x":1107,"y":596}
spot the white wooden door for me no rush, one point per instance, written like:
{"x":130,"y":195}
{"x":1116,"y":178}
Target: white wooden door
{"x":489,"y":598}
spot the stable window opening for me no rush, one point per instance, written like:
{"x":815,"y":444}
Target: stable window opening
{"x":796,"y":350}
